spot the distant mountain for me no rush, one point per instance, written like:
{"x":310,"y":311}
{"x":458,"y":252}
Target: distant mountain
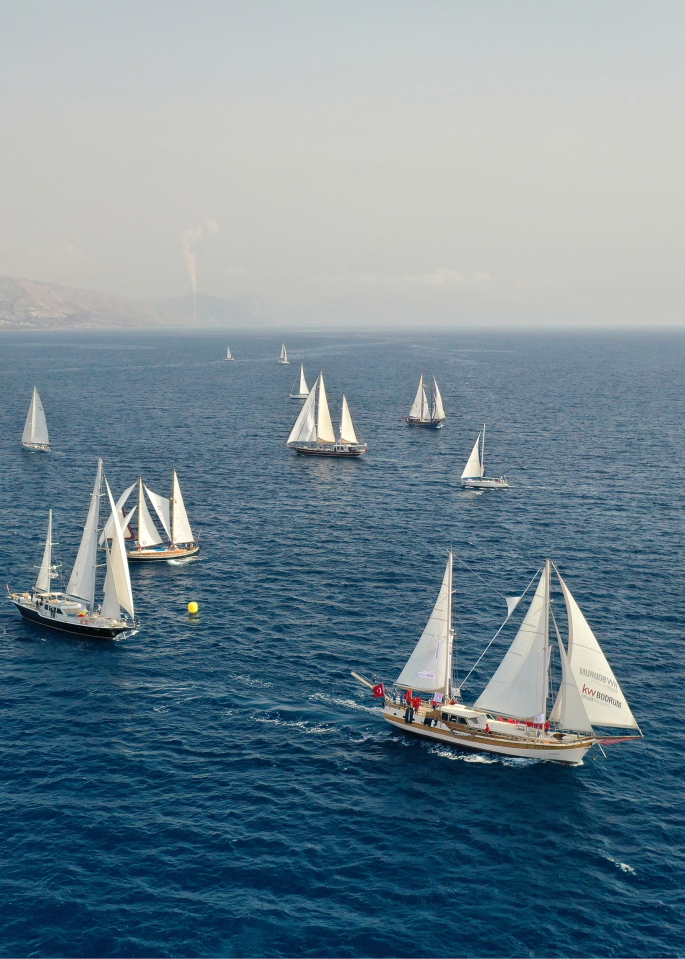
{"x":28,"y":304}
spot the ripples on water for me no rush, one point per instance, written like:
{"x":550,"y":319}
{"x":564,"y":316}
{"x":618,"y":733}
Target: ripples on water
{"x":220,"y":785}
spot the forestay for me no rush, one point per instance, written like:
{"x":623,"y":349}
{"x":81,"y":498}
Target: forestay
{"x":474,"y":467}
{"x":82,"y":580}
{"x":347,"y":433}
{"x":180,"y":527}
{"x":304,"y":430}
{"x":602,"y":697}
{"x":519,"y":685}
{"x":324,"y":426}
{"x":427,"y":667}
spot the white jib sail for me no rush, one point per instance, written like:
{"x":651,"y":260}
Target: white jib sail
{"x":284,"y":355}
{"x":121,"y":502}
{"x":119,"y":562}
{"x":147,"y":531}
{"x":43,"y":580}
{"x":36,"y":427}
{"x":304,"y":430}
{"x":162,"y":508}
{"x":304,"y":390}
{"x":602,"y":697}
{"x":347,"y":433}
{"x":420,"y":404}
{"x":569,"y":710}
{"x":438,"y":408}
{"x":82,"y":580}
{"x":324,"y":426}
{"x":110,"y":608}
{"x":474,"y":467}
{"x":180,"y":527}
{"x":228,"y":353}
{"x":426,"y":668}
{"x":519,"y":686}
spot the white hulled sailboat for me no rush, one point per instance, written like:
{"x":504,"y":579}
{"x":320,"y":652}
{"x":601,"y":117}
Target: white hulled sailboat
{"x":473,"y":476}
{"x":300,"y":390}
{"x":312,"y":434}
{"x":427,"y":409}
{"x":35,"y":436}
{"x":511,"y":717}
{"x":283,"y":358}
{"x":75,"y":610}
{"x":149,"y":545}
{"x":228,"y":353}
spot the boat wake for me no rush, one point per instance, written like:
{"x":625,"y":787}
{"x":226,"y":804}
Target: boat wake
{"x":348,"y":703}
{"x":302,"y":724}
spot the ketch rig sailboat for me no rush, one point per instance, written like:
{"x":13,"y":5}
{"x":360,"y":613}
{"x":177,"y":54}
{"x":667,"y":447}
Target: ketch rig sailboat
{"x":511,"y":716}
{"x":35,"y":436}
{"x":74,"y":610}
{"x":283,"y":358}
{"x":427,"y":409}
{"x":300,"y":390}
{"x":228,"y":353}
{"x":312,"y":434}
{"x":473,"y":476}
{"x":149,"y":545}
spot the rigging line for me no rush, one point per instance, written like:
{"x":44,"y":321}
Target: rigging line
{"x":463,"y":683}
{"x":458,"y":558}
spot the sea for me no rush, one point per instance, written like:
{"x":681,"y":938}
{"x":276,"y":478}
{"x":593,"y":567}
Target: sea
{"x":219,"y":784}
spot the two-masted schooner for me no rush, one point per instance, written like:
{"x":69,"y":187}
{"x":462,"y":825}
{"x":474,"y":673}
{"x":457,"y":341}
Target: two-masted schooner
{"x":427,"y":409}
{"x":148,"y":545}
{"x":283,"y":358}
{"x":74,"y":610}
{"x":300,"y":390}
{"x":228,"y":353}
{"x":35,"y":436}
{"x":313,"y":435}
{"x":473,"y":476}
{"x":511,"y":717}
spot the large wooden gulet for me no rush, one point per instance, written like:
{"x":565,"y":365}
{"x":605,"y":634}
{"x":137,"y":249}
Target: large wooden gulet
{"x":313,"y":435}
{"x":74,"y":609}
{"x":427,"y":409}
{"x":148,"y":545}
{"x":511,"y":717}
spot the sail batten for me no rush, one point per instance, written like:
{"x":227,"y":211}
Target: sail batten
{"x":180,"y":525}
{"x":324,"y":425}
{"x":427,"y":667}
{"x":82,"y":580}
{"x":43,"y":578}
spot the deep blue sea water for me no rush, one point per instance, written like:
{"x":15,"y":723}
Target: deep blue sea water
{"x":220,"y":785}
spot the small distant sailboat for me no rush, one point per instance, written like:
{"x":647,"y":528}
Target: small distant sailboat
{"x":473,"y":476}
{"x":300,"y":391}
{"x":228,"y":353}
{"x":35,"y":436}
{"x":75,"y":610}
{"x":511,"y":717}
{"x":427,"y":409}
{"x":149,"y":545}
{"x":283,"y":358}
{"x":312,"y":434}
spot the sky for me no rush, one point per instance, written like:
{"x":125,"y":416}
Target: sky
{"x":382,"y":162}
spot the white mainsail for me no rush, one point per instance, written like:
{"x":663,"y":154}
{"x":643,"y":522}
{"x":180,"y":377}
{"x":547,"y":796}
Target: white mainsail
{"x":180,"y":527}
{"x":228,"y":353}
{"x":43,"y":579}
{"x":36,"y":427}
{"x":602,"y":697}
{"x":148,"y":534}
{"x":82,"y":580}
{"x":110,"y":608}
{"x":438,"y":409}
{"x":284,"y":356}
{"x":569,"y":710}
{"x":519,"y":685}
{"x":304,"y":430}
{"x":118,"y":562}
{"x":347,"y":433}
{"x":420,"y":405}
{"x":304,"y":390}
{"x":324,"y":426}
{"x":427,"y":667}
{"x":474,"y":467}
{"x":162,"y":508}
{"x":121,"y":502}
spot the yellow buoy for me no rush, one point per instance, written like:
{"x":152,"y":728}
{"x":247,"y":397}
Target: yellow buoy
{"x":193,"y":607}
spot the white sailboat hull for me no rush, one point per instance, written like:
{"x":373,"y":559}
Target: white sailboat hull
{"x":571,"y":752}
{"x":485,"y":482}
{"x":299,"y":396}
{"x":37,"y":447}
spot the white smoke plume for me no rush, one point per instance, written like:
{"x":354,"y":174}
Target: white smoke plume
{"x":188,"y":241}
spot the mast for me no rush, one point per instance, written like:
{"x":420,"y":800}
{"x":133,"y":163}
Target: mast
{"x":545,"y":685}
{"x":450,"y":630}
{"x":423,"y":395}
{"x":482,"y":455}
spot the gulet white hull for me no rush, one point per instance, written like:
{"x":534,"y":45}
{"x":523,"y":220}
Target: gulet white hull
{"x":485,"y":482}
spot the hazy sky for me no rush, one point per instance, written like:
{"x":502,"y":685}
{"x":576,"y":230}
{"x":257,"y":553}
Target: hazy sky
{"x":373,"y":161}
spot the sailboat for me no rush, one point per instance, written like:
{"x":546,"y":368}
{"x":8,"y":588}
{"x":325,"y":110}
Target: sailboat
{"x":511,"y":717}
{"x":283,"y":358}
{"x":35,"y":436}
{"x":312,"y":434}
{"x":473,"y":476}
{"x":149,"y":545}
{"x":75,"y":610}
{"x":300,"y":390}
{"x":228,"y":353}
{"x":427,"y":409}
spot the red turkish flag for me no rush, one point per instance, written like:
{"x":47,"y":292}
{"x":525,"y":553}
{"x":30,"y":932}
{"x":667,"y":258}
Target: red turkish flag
{"x":378,"y":691}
